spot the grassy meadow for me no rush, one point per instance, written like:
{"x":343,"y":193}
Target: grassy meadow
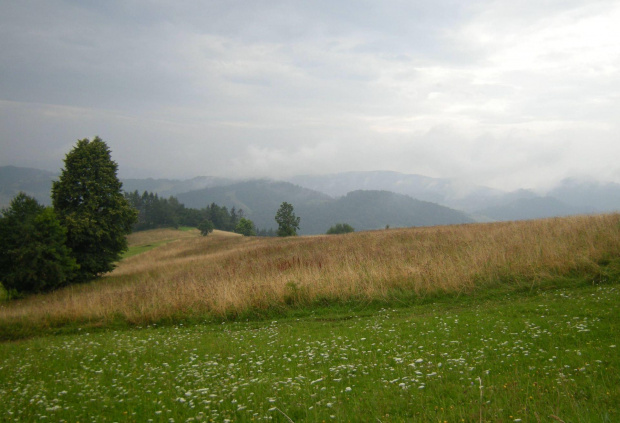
{"x":141,"y":242}
{"x":224,"y":276}
{"x":499,"y":322}
{"x":547,"y":357}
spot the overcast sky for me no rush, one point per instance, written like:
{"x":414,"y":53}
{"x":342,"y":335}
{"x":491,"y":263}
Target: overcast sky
{"x":506,"y":94}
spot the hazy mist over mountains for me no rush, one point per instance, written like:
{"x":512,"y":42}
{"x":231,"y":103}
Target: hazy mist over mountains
{"x":366,"y":200}
{"x":452,"y":97}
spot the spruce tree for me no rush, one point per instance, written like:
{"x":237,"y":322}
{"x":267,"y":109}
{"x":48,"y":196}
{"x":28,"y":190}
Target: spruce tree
{"x":90,"y":205}
{"x":33,"y":254}
{"x":288,"y":223}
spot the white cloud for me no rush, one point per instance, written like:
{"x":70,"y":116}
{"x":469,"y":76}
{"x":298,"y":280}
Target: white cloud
{"x":502,"y":93}
{"x":278,"y":162}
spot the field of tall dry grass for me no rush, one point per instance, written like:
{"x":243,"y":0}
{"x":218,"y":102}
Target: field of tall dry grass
{"x":221,"y":275}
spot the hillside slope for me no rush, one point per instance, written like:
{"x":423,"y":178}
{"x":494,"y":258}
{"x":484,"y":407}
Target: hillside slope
{"x":364,"y":210}
{"x":529,"y":208}
{"x":590,"y":196}
{"x":227,"y":276}
{"x":447,"y":192}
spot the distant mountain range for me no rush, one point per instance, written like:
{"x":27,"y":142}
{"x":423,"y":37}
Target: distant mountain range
{"x":442,"y":191}
{"x":365,"y":200}
{"x":588,"y":196}
{"x":35,"y":182}
{"x":372,"y":209}
{"x":529,"y":208}
{"x":362,"y":209}
{"x":259,"y":200}
{"x":571,"y":196}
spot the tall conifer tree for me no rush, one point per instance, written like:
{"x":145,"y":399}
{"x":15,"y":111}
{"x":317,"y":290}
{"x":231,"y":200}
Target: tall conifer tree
{"x":90,"y":204}
{"x":288,"y":223}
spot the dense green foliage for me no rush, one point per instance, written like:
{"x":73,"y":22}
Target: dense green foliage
{"x":205,"y":227}
{"x":340,"y":228}
{"x":91,"y":206}
{"x":245,"y":227}
{"x":156,"y":212}
{"x":288,"y":223}
{"x":33,"y":254}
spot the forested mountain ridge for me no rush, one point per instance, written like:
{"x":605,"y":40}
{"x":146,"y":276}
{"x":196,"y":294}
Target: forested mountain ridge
{"x":258,"y":197}
{"x":447,"y":192}
{"x":364,"y":210}
{"x":571,"y":195}
{"x":373,"y":209}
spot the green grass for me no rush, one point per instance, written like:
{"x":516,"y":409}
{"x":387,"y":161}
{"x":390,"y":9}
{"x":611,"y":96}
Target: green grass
{"x":520,"y":356}
{"x":139,"y":249}
{"x":186,"y":228}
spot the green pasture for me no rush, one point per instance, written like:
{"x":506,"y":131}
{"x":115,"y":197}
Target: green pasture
{"x":548,"y":356}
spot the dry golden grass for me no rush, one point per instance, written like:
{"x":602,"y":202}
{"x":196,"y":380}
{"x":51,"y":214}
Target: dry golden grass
{"x":159,"y":235}
{"x":220,"y":275}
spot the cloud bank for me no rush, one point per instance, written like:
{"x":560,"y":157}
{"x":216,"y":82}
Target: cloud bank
{"x":506,"y":94}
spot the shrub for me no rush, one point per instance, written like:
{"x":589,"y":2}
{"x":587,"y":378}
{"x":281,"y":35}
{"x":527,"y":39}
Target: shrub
{"x":205,"y":227}
{"x":340,"y":228}
{"x":245,"y":227}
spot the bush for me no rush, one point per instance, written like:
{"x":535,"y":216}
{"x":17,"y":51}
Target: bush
{"x":205,"y":227}
{"x":340,"y":228}
{"x":245,"y":227}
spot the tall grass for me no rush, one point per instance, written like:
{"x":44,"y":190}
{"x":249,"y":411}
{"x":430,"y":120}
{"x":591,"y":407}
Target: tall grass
{"x":222,"y":276}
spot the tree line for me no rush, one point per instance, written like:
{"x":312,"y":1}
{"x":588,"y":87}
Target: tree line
{"x":155,"y":212}
{"x":158,"y":212}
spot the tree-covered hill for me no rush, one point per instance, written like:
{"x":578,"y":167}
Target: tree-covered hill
{"x":259,"y":199}
{"x":364,"y":210}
